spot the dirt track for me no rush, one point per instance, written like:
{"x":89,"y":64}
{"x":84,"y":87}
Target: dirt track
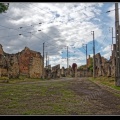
{"x":47,"y":97}
{"x":102,"y":102}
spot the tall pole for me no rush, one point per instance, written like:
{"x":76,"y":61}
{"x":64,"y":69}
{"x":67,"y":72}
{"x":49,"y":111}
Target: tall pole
{"x":43,"y":60}
{"x":112,"y":36}
{"x":112,"y":40}
{"x":86,"y":54}
{"x":117,"y":70}
{"x":46,"y":59}
{"x":93,"y":55}
{"x":67,"y":56}
{"x":86,"y":61}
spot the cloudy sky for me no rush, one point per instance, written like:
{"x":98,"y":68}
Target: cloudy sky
{"x":59,"y":25}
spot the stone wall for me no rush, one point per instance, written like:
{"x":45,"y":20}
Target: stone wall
{"x":35,"y":71}
{"x":103,"y":67}
{"x":26,"y":63}
{"x":84,"y":73}
{"x":56,"y":72}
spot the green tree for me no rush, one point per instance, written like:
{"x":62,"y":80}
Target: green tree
{"x":91,"y":65}
{"x":81,"y":67}
{"x":4,"y":7}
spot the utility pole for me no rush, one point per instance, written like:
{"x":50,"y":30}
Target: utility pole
{"x":67,"y":56}
{"x":86,"y":53}
{"x":112,"y":40}
{"x":93,"y":54}
{"x":117,"y":31}
{"x":43,"y":60}
{"x":86,"y":61}
{"x":112,"y":36}
{"x":86,"y":57}
{"x":46,"y":59}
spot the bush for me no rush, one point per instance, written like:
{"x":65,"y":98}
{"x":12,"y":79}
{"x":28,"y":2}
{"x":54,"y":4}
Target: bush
{"x":90,"y":68}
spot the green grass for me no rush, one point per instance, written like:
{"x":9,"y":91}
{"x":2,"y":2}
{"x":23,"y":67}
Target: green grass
{"x":46,"y":97}
{"x":15,"y":80}
{"x":43,"y":98}
{"x":108,"y":81}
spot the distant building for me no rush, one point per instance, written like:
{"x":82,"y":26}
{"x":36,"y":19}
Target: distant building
{"x":104,"y":67}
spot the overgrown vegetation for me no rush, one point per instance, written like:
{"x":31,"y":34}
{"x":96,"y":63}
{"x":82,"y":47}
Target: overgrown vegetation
{"x":108,"y":81}
{"x":81,"y":67}
{"x":90,"y":67}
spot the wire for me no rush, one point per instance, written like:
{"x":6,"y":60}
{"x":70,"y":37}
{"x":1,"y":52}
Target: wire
{"x":109,"y":11}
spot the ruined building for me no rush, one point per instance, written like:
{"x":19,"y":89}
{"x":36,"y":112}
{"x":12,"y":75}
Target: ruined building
{"x":25,"y":63}
{"x":104,"y":67}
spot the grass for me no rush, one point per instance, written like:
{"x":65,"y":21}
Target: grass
{"x":46,"y":97}
{"x":39,"y":98}
{"x":108,"y":81}
{"x":15,"y":80}
{"x":20,"y":79}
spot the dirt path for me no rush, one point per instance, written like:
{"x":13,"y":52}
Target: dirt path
{"x":100,"y":99}
{"x":87,"y":98}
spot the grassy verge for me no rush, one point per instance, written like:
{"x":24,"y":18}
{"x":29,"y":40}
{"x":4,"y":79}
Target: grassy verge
{"x":108,"y":81}
{"x":17,"y":80}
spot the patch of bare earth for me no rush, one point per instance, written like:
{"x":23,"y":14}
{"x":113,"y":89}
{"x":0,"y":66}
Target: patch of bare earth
{"x":99,"y":100}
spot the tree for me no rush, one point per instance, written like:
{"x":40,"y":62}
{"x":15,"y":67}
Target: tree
{"x":91,"y":65}
{"x":4,"y":7}
{"x":81,"y":67}
{"x":73,"y":66}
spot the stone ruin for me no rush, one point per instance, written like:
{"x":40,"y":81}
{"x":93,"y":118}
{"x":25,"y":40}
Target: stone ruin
{"x":55,"y":72}
{"x":104,"y":67}
{"x":27,"y":63}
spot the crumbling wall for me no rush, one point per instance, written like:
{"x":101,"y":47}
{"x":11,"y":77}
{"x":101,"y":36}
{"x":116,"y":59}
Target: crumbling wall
{"x":27,"y":63}
{"x":56,"y":73}
{"x":35,"y":66}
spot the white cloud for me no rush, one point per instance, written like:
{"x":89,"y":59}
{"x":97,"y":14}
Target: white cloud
{"x":63,"y":24}
{"x":107,"y":55}
{"x":106,"y":49}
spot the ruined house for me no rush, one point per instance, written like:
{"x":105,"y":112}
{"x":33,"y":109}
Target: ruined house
{"x":56,"y":72}
{"x":63,"y":72}
{"x":26,"y":63}
{"x":104,"y":67}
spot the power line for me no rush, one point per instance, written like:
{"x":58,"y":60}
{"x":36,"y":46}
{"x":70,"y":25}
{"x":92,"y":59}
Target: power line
{"x":86,"y":17}
{"x":14,"y":29}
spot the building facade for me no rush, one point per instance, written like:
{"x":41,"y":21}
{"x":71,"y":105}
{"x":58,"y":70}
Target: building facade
{"x":25,"y":63}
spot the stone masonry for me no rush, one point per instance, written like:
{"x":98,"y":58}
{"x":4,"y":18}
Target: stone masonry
{"x":104,"y":67}
{"x":26,"y":63}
